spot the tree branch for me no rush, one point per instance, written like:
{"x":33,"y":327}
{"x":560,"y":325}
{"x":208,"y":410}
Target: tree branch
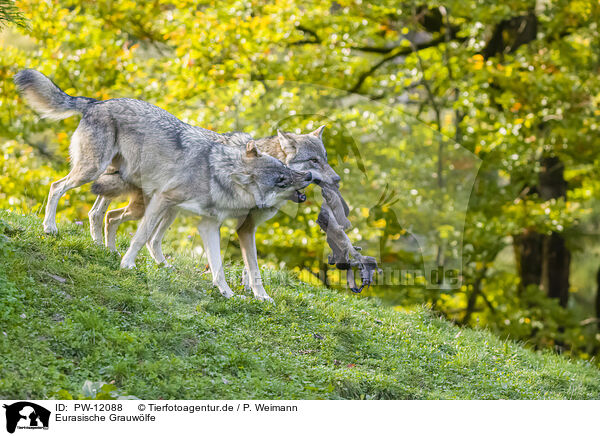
{"x":380,"y":50}
{"x":399,"y":51}
{"x":315,"y":38}
{"x":9,"y":13}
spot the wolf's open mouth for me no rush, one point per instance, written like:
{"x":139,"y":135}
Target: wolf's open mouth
{"x":298,"y":196}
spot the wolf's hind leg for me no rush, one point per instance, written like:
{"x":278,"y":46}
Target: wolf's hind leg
{"x":245,"y":279}
{"x":113,"y":219}
{"x":132,"y":212}
{"x":96,"y":217}
{"x":157,"y":209}
{"x":155,"y":244}
{"x":91,"y":153}
{"x":78,"y":176}
{"x":209,"y":230}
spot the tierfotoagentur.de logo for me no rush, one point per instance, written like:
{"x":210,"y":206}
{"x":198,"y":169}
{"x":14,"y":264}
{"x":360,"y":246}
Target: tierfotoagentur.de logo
{"x":24,"y":415}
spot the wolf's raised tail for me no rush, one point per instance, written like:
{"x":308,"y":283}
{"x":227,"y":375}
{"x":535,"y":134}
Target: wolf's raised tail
{"x":46,"y":98}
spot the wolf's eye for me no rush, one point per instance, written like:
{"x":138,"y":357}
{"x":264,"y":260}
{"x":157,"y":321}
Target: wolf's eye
{"x":280,"y":179}
{"x":314,"y":160}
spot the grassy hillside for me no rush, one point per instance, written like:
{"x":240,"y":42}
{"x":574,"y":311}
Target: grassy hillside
{"x":68,"y":314}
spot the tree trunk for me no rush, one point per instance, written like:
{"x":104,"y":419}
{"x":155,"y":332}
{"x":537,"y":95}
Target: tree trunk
{"x":545,"y":260}
{"x":557,"y":260}
{"x":542,"y":260}
{"x":556,"y":255}
{"x":528,"y":253}
{"x":598,"y":299}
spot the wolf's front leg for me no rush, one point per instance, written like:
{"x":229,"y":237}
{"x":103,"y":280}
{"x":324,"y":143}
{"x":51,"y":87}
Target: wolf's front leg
{"x":158,"y":207}
{"x":246,"y":233}
{"x":245,"y":279}
{"x":211,"y":237}
{"x":96,"y":216}
{"x":155,"y":243}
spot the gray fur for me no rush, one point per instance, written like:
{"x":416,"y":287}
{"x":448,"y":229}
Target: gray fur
{"x":304,"y":152}
{"x":175,"y":165}
{"x":47,"y":98}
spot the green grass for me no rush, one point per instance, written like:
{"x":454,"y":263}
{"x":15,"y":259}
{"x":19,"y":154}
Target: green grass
{"x":69,"y":314}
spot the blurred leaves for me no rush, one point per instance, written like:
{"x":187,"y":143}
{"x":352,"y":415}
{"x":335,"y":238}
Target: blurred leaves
{"x":438,"y":148}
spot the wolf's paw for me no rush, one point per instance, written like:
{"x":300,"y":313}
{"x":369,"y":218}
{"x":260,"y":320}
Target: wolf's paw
{"x":114,"y":251}
{"x":265,"y":298}
{"x":111,"y":247}
{"x":127,"y":264}
{"x":227,"y":294}
{"x":50,"y":229}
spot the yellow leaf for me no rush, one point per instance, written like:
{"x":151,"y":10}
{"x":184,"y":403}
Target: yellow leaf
{"x":380,"y":223}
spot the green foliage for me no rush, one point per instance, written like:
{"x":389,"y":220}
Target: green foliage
{"x":9,"y":14}
{"x":437,"y":141}
{"x":93,"y":391}
{"x":73,"y":316}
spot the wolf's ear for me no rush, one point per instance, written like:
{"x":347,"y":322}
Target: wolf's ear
{"x":241,"y":178}
{"x":251,"y":150}
{"x":319,"y":132}
{"x":287,"y":144}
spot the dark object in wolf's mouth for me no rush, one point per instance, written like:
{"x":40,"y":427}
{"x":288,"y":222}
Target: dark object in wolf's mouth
{"x":344,"y":255}
{"x":298,"y":197}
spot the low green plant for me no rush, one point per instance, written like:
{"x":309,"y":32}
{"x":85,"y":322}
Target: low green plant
{"x":69,"y":315}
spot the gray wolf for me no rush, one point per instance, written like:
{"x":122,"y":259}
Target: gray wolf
{"x":301,"y":152}
{"x":112,"y":184}
{"x":176,"y":165}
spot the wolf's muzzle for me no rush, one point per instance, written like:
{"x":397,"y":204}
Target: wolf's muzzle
{"x":306,"y":178}
{"x":315,"y":177}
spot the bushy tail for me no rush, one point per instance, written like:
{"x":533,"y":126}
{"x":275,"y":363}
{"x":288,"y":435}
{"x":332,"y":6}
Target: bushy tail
{"x":46,"y":98}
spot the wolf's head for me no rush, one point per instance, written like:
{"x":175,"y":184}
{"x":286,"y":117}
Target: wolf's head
{"x":306,"y":152}
{"x":268,"y":179}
